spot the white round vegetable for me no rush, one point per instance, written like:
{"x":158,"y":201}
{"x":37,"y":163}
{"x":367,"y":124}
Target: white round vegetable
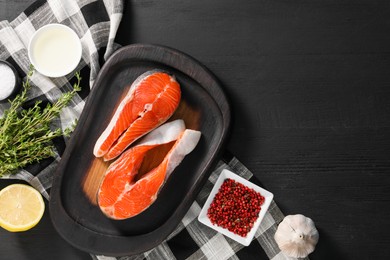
{"x":296,"y":236}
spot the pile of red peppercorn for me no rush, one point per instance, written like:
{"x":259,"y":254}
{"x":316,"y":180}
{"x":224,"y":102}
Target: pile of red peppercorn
{"x":235,"y":207}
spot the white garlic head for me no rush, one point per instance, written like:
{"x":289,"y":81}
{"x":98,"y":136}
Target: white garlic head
{"x":296,"y":236}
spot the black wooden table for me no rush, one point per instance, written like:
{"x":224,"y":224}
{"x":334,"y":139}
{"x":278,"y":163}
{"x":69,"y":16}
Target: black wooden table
{"x":309,"y":85}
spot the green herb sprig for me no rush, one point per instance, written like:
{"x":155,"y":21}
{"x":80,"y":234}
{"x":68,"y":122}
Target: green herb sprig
{"x":25,"y":134}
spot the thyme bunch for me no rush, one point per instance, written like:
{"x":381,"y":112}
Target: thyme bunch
{"x":25,"y":134}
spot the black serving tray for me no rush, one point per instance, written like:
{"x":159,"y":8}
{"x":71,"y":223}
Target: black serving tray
{"x":203,"y":107}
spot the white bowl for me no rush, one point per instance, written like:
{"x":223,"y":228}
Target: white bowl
{"x":55,"y":50}
{"x":268,"y":196}
{"x":11,"y":82}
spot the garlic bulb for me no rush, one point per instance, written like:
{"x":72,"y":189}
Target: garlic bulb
{"x":296,"y":236}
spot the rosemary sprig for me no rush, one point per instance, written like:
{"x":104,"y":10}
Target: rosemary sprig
{"x":25,"y":134}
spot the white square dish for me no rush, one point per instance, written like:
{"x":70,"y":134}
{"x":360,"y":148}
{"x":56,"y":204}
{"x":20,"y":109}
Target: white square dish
{"x":203,"y":218}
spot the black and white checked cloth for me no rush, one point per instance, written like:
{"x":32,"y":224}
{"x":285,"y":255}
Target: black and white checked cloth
{"x":193,"y":241}
{"x":96,"y":23}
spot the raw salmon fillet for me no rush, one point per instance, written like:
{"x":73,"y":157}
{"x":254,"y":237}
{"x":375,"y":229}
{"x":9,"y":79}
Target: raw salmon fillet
{"x":121,"y":197}
{"x":150,"y":101}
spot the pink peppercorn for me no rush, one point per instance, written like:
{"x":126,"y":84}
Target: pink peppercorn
{"x":235,"y":207}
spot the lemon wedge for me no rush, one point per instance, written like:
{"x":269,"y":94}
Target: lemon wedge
{"x":21,"y":207}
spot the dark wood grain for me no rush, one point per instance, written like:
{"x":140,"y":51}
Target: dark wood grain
{"x":41,"y":242}
{"x":309,"y":86}
{"x":9,"y":9}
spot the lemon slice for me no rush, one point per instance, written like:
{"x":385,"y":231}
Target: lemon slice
{"x":21,"y":207}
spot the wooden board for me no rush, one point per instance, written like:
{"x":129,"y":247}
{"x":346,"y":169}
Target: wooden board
{"x":203,"y":107}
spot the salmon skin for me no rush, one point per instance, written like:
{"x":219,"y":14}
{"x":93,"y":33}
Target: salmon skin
{"x":150,"y":101}
{"x":120,"y":196}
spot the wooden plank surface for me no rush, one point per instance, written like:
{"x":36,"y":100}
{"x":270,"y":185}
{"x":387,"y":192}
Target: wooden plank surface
{"x":310,"y":87}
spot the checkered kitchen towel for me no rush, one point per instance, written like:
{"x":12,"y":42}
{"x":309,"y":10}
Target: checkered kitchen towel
{"x":96,"y":23}
{"x":192,"y":240}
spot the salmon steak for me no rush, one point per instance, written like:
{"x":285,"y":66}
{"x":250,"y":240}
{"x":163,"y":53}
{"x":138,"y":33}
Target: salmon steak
{"x":122,"y":194}
{"x":151,"y":100}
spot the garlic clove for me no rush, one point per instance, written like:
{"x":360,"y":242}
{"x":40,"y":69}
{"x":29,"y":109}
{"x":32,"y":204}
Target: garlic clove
{"x":296,"y":236}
